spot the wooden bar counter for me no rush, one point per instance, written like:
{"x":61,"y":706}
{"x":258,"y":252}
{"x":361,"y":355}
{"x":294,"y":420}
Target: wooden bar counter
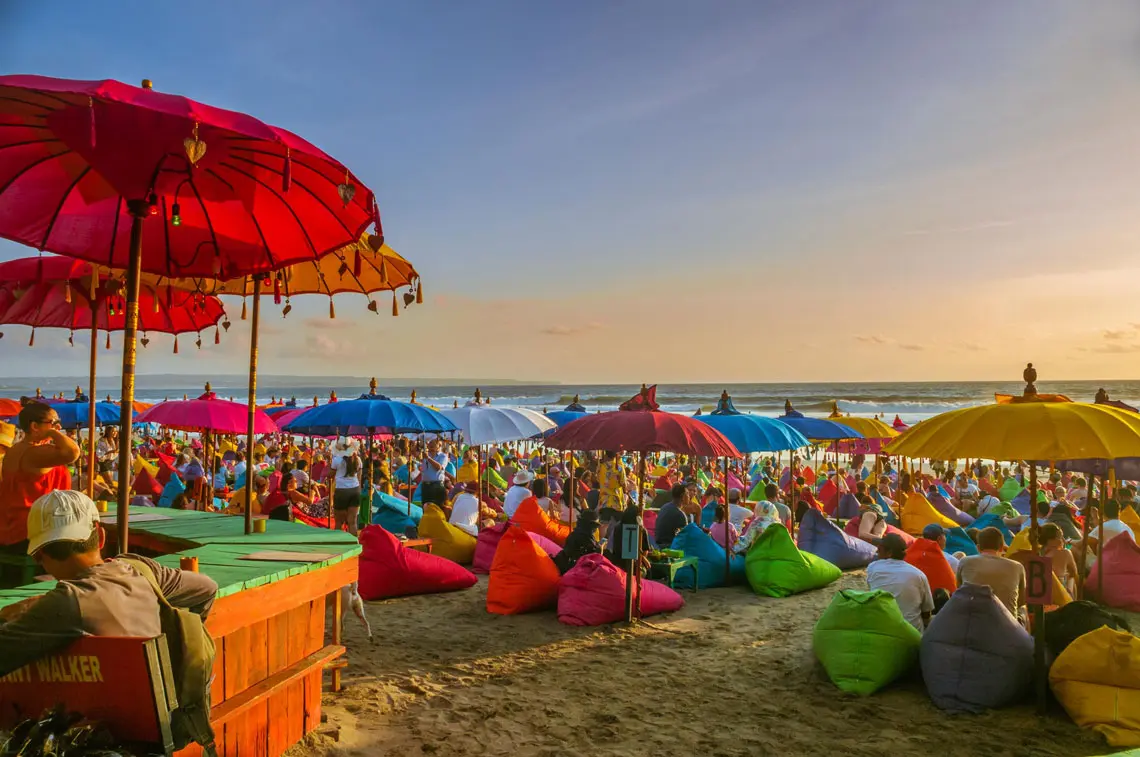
{"x":268,"y":623}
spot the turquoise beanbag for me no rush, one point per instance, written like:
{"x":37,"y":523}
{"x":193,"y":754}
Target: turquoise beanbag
{"x":391,"y":514}
{"x":958,"y":541}
{"x":992,"y":519}
{"x":710,"y":559}
{"x":173,"y":488}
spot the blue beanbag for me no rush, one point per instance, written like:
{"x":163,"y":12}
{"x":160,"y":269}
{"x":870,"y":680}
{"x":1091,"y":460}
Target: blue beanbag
{"x":888,"y":514}
{"x":1021,"y":502}
{"x":993,"y":519}
{"x":847,"y":508}
{"x":958,"y":541}
{"x":391,"y":514}
{"x":239,"y":482}
{"x":708,"y":515}
{"x":173,"y":488}
{"x":696,"y":543}
{"x":823,"y":539}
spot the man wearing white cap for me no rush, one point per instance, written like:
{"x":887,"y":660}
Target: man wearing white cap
{"x":94,"y":597}
{"x":518,"y":492}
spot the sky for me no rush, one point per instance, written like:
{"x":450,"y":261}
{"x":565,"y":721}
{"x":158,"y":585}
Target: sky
{"x":669,"y":190}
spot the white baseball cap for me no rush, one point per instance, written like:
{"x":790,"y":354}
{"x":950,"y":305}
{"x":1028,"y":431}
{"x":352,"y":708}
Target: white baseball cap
{"x":61,"y":515}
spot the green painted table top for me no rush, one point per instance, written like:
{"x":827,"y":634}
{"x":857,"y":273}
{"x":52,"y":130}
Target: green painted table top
{"x":218,"y":541}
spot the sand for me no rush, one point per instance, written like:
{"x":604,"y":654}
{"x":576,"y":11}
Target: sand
{"x":731,"y":674}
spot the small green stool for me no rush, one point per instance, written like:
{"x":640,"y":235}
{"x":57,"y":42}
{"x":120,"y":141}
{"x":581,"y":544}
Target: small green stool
{"x":668,"y":569}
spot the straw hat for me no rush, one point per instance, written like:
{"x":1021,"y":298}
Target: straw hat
{"x":522,"y":478}
{"x":7,"y":434}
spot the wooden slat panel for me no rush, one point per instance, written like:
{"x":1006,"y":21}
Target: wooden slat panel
{"x":277,"y":640}
{"x":312,"y":701}
{"x":237,"y":664}
{"x":315,"y":632}
{"x":263,"y":602}
{"x":218,"y":685}
{"x":287,"y":724}
{"x":257,"y":667}
{"x":254,"y":695}
{"x":298,"y":622}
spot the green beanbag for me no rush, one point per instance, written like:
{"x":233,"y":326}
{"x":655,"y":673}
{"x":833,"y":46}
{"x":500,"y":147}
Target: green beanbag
{"x":863,"y":641}
{"x":1009,"y":489}
{"x":776,"y":568}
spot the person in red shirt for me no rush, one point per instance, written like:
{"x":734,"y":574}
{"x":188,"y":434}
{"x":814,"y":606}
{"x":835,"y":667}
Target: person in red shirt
{"x":33,"y":467}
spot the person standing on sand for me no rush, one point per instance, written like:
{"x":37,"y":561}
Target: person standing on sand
{"x":611,"y":482}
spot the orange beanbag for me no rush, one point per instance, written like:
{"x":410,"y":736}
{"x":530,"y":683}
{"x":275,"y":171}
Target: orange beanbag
{"x":532,"y":518}
{"x":523,"y":577}
{"x":927,"y":556}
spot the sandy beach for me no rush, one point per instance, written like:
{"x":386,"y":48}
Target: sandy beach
{"x":730,"y":674}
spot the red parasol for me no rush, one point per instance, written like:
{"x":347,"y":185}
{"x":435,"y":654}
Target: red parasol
{"x":135,"y":179}
{"x":9,"y":408}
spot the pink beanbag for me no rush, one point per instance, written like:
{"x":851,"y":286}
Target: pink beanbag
{"x":649,"y":520}
{"x":548,"y":546}
{"x":486,"y":545}
{"x":852,"y":528}
{"x":592,"y":593}
{"x":1121,"y":564}
{"x":389,"y":569}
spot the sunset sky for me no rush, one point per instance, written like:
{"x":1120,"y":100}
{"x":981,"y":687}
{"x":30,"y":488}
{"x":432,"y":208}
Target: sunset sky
{"x":673,"y":191}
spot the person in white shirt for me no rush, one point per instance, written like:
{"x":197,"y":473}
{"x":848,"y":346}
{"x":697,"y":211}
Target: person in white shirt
{"x":1113,"y":526}
{"x":907,"y":584}
{"x":466,"y":508}
{"x":985,"y":503}
{"x":736,"y":513}
{"x":518,"y":492}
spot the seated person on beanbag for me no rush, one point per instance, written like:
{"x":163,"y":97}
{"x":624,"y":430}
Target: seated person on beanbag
{"x":582,"y":541}
{"x":907,"y":584}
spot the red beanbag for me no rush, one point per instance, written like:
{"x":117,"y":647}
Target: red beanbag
{"x":523,"y":577}
{"x":389,"y":569}
{"x":165,"y":468}
{"x":927,"y":556}
{"x":592,"y":593}
{"x":486,"y":545}
{"x":532,"y":517}
{"x":146,"y":485}
{"x":1121,"y":564}
{"x":852,"y":528}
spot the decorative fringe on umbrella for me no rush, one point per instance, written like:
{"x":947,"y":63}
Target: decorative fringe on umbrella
{"x":217,"y":335}
{"x":277,"y":290}
{"x":91,"y":122}
{"x":243,"y":315}
{"x":419,"y":292}
{"x":395,"y":308}
{"x":287,"y":174}
{"x":175,"y":344}
{"x":67,"y":292}
{"x":332,"y":310}
{"x":71,"y":338}
{"x":32,"y":341}
{"x":108,"y":340}
{"x":376,"y":218}
{"x":156,"y":307}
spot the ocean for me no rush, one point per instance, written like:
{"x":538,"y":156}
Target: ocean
{"x":911,"y":401}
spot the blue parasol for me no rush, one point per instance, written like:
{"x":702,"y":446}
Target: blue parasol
{"x":76,"y":414}
{"x":752,"y":433}
{"x":369,"y":414}
{"x":816,"y":428}
{"x":562,"y":417}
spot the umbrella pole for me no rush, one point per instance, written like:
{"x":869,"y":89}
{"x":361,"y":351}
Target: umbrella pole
{"x":371,"y":483}
{"x":139,"y":210}
{"x":91,"y":407}
{"x":1106,"y":485}
{"x":570,"y":487}
{"x":1038,"y":609}
{"x":727,"y":521}
{"x":254,"y":323}
{"x":1081,"y":569}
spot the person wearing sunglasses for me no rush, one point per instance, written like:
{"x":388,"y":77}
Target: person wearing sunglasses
{"x":33,"y":467}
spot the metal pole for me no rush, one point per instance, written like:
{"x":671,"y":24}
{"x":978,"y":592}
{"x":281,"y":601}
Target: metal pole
{"x":1039,"y":672}
{"x":91,"y":404}
{"x":139,"y":210}
{"x":727,"y":545}
{"x":1082,"y":568}
{"x":371,"y":483}
{"x":1111,"y":482}
{"x":254,"y":323}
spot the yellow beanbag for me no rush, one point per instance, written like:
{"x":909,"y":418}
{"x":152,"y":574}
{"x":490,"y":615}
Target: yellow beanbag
{"x":446,"y":540}
{"x":140,"y":463}
{"x":1130,"y":519}
{"x":918,"y":513}
{"x":1097,"y":681}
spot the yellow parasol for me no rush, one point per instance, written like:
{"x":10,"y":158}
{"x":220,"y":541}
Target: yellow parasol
{"x":1030,"y":427}
{"x":870,"y":428}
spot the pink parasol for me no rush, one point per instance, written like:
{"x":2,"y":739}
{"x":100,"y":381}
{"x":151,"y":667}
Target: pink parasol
{"x":207,"y":413}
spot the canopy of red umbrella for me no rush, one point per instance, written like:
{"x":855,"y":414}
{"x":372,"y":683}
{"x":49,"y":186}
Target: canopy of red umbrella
{"x":642,"y":427}
{"x":206,"y":413}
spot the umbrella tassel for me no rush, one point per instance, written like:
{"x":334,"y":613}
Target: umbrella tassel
{"x":357,"y":264}
{"x":175,"y":344}
{"x":156,"y":307}
{"x":395,"y":308}
{"x":91,"y":122}
{"x":108,"y":340}
{"x":376,"y":219}
{"x":243,"y":314}
{"x":32,"y":340}
{"x":287,"y":174}
{"x":67,"y":292}
{"x":419,"y":293}
{"x":217,"y":335}
{"x":332,"y":310}
{"x":276,"y":290}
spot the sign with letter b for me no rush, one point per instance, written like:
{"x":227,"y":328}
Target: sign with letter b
{"x":1039,"y":580}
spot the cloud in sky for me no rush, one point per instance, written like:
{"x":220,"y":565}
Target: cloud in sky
{"x":564,"y":330}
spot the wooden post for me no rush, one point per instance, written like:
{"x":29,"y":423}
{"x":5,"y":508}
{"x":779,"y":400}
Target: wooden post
{"x":91,"y":404}
{"x":338,"y":621}
{"x":1039,"y":671}
{"x":254,"y":323}
{"x":1100,"y":529}
{"x":139,"y":210}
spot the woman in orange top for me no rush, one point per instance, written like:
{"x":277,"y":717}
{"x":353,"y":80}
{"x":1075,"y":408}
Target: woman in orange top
{"x":34,"y":466}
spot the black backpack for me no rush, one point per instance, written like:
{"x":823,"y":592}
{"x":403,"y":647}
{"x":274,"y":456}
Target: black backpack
{"x":1066,"y":624}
